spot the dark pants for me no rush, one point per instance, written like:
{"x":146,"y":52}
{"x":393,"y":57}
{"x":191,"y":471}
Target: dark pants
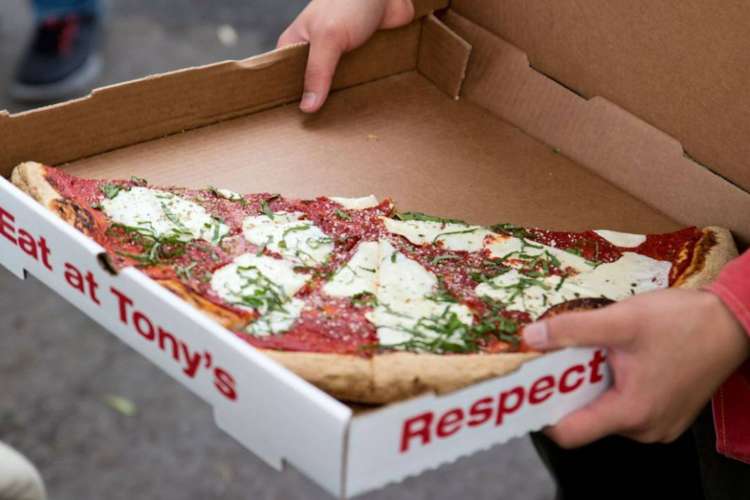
{"x":615,"y":467}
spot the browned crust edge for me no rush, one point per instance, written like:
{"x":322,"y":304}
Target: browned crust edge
{"x":30,"y":177}
{"x":399,"y":375}
{"x":715,"y":249}
{"x":221,"y":315}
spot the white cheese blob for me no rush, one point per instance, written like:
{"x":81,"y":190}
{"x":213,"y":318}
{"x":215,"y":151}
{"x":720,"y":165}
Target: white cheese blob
{"x":228,"y":194}
{"x":400,"y":279}
{"x":359,"y":275}
{"x":297,"y":240}
{"x":356,"y":203}
{"x":622,"y":240}
{"x":257,"y":281}
{"x":522,"y":293}
{"x":454,"y":236}
{"x":163,"y":215}
{"x":266,"y":285}
{"x":405,"y":312}
{"x":278,"y":320}
{"x":513,"y":249}
{"x":631,"y":274}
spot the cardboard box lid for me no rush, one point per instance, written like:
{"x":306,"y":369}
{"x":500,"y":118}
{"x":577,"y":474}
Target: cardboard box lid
{"x":681,"y":66}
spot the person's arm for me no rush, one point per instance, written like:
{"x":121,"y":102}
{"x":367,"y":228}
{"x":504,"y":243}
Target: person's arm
{"x":733,"y":287}
{"x":731,"y":403}
{"x":334,"y":27}
{"x":669,"y":352}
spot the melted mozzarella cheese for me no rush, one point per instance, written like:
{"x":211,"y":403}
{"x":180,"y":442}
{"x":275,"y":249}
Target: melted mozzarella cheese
{"x":356,"y":203}
{"x":454,"y":236}
{"x":404,"y":310}
{"x":359,"y":275}
{"x":228,"y":194}
{"x":631,"y":274}
{"x":253,"y":279}
{"x":264,"y":284}
{"x":622,"y":240}
{"x":277,"y":321}
{"x":521,"y":293}
{"x":508,"y":247}
{"x":295,"y":239}
{"x":400,"y":279}
{"x":163,"y":214}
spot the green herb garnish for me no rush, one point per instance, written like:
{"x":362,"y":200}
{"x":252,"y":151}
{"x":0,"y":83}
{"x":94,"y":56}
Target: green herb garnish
{"x":364,"y":299}
{"x":266,"y":209}
{"x":439,"y":258}
{"x":449,"y":233}
{"x":184,"y":272}
{"x":405,"y":216}
{"x":111,"y":190}
{"x":343,"y":215}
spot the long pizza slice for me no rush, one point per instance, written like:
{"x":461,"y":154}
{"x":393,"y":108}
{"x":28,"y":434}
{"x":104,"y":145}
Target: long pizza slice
{"x":369,"y":304}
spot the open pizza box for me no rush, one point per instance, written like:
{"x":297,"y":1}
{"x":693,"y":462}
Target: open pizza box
{"x":535,"y":113}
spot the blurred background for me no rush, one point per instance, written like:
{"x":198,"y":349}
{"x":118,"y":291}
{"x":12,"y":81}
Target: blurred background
{"x":98,"y":419}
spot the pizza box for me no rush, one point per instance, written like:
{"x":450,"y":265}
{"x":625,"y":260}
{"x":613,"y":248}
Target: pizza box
{"x":488,"y":110}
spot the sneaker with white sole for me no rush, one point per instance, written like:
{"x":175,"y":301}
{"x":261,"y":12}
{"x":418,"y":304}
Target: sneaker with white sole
{"x":61,"y":62}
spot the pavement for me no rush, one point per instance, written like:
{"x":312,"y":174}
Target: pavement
{"x":98,"y":419}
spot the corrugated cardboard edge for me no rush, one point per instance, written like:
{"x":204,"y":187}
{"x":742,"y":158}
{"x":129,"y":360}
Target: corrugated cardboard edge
{"x":599,"y":135}
{"x":443,"y":56}
{"x":145,"y":109}
{"x":425,"y":7}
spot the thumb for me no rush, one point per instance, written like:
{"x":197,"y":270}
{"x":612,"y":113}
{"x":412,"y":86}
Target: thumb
{"x":601,"y":328}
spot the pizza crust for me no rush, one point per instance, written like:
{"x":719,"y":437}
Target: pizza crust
{"x":344,"y":376}
{"x":715,"y":250}
{"x":30,"y":177}
{"x":225,"y":317}
{"x":392,"y":376}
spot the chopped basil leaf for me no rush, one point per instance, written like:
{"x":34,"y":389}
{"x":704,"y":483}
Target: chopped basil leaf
{"x":463,"y":231}
{"x":110,"y":190}
{"x":364,"y":299}
{"x":404,"y":216}
{"x":343,"y":215}
{"x":439,"y":258}
{"x":266,"y":209}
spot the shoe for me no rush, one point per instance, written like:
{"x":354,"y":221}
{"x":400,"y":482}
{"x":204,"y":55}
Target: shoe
{"x":62,"y":60}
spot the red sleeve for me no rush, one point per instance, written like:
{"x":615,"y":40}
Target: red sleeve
{"x":731,"y":403}
{"x":733,"y":287}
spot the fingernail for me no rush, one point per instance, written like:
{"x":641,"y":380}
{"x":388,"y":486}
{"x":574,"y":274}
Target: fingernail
{"x":536,"y":335}
{"x":309,"y":100}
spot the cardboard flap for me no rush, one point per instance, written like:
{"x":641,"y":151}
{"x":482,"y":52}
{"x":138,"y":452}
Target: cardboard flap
{"x":681,"y":66}
{"x":598,"y":134}
{"x":147,"y":109}
{"x":424,"y":7}
{"x":443,"y":56}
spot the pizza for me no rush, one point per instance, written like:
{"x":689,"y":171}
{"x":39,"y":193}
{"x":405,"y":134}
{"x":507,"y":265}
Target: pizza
{"x":368,"y":303}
